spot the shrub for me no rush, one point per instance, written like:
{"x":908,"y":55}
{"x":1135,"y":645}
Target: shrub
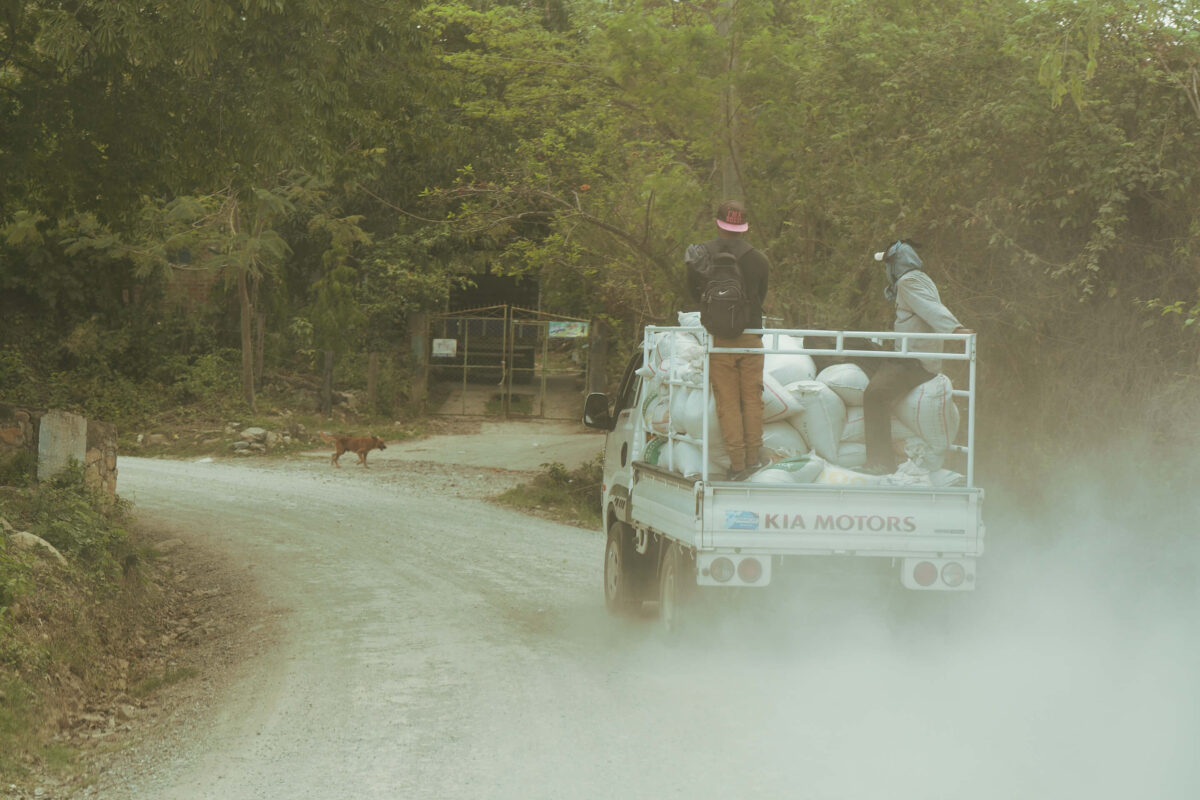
{"x":568,"y":495}
{"x":19,"y":469}
{"x":209,"y":376}
{"x":79,"y":523}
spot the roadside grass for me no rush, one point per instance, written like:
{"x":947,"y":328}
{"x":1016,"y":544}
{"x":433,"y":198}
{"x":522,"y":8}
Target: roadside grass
{"x":170,"y":676}
{"x":17,"y":718}
{"x":211,"y":433}
{"x":569,"y":496}
{"x":518,"y":404}
{"x":68,"y":631}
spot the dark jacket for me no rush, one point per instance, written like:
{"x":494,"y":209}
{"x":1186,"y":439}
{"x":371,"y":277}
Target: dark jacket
{"x":755,"y":269}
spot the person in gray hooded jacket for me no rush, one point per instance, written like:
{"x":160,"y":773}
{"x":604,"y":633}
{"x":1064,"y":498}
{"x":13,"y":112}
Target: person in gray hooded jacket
{"x":919,"y":309}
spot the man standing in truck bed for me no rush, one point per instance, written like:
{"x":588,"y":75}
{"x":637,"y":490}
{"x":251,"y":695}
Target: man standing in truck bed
{"x":919,"y":309}
{"x":737,"y":378}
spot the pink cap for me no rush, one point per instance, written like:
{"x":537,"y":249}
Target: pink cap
{"x":731,"y":216}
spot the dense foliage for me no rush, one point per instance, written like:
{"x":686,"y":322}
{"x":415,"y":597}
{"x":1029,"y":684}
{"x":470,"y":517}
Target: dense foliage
{"x":337,"y":166}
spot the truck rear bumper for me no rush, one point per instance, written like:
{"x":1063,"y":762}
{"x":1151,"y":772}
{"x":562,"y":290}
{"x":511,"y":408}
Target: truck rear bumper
{"x":758,"y":570}
{"x":938,"y":574}
{"x":732,"y":569}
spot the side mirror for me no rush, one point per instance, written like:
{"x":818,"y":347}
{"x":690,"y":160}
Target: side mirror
{"x":596,"y":413}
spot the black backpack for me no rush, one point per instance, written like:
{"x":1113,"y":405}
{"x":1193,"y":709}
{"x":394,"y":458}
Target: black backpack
{"x":724,"y":304}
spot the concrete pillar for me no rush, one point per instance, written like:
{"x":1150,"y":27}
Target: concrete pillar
{"x":62,"y":436}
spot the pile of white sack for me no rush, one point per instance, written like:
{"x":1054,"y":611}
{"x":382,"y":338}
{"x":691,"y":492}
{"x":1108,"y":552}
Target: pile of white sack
{"x":804,"y":414}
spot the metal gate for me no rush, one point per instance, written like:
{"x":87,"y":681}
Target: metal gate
{"x":507,"y":361}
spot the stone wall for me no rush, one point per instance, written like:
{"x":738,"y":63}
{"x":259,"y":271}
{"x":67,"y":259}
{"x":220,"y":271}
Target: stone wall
{"x":100,"y":459}
{"x":17,"y":433}
{"x":54,"y":438}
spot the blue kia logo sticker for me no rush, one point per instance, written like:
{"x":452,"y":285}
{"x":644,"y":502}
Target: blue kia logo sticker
{"x":741,"y":521}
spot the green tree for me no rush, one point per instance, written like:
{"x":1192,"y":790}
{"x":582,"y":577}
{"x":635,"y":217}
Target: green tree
{"x":221,"y":101}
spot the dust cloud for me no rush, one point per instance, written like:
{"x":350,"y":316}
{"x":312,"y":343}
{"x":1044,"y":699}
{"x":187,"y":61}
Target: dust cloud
{"x":1072,"y":672}
{"x":474,"y":658}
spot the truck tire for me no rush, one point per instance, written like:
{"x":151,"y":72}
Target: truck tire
{"x":676,"y":590}
{"x":622,"y":592}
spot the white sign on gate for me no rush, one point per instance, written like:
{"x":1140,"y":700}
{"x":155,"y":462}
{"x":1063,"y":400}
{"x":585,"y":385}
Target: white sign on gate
{"x":567,"y":330}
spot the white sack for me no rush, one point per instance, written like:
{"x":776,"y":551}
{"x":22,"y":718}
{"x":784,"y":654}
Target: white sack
{"x":654,"y":450}
{"x":769,"y":475}
{"x":855,"y":430}
{"x":787,"y":367}
{"x":669,"y":344}
{"x":944,"y":477}
{"x":923,"y":455}
{"x":778,"y":402}
{"x":677,"y":368}
{"x":718,"y":456}
{"x":679,"y":399}
{"x":692,"y":419}
{"x":930,"y":411}
{"x":683,"y":457}
{"x":848,"y":380}
{"x":693,"y":422}
{"x":851,"y":455}
{"x":656,"y":412}
{"x":673,"y":355}
{"x":840,"y":476}
{"x":692,"y":373}
{"x":822,"y":418}
{"x":782,"y":439}
{"x":802,"y":469}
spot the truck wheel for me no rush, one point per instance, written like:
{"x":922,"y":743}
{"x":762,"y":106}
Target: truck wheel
{"x":676,"y":585}
{"x":621,"y":595}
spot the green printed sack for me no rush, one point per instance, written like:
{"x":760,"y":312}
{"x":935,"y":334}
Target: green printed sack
{"x":801,"y":469}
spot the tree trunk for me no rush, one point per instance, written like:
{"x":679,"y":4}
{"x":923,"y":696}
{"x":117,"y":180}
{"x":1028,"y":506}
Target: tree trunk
{"x":597,"y":371}
{"x":373,"y":382}
{"x":247,"y":315}
{"x":260,"y":336}
{"x":260,"y":333}
{"x":731,"y":179}
{"x":327,"y":384}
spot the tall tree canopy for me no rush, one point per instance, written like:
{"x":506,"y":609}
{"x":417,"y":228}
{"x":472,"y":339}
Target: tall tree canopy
{"x":1042,"y":153}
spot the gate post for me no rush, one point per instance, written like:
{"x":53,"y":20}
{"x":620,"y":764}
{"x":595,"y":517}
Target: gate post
{"x":506,"y":363}
{"x":418,"y":338}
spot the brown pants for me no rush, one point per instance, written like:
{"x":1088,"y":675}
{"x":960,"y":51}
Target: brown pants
{"x":737,"y":384}
{"x":891,"y":381}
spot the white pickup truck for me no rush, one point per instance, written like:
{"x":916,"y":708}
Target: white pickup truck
{"x":671,"y":535}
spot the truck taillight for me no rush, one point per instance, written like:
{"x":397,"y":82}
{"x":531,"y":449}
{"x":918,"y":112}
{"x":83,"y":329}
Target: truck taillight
{"x":953,"y":574}
{"x":750,"y":570}
{"x":721,"y":570}
{"x":925,"y":573}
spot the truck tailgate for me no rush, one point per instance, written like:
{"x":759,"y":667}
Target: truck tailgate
{"x":859,"y":520}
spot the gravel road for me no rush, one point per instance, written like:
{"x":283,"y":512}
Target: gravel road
{"x":423,"y":643}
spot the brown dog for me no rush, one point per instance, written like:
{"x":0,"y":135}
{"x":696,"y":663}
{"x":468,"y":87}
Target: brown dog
{"x":352,"y":444}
